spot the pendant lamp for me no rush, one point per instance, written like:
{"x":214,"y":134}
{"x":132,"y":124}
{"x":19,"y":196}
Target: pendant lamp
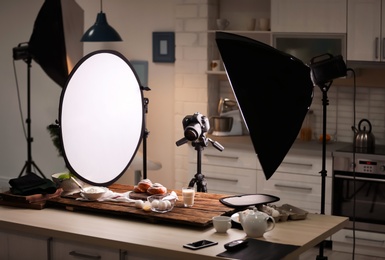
{"x":101,"y":31}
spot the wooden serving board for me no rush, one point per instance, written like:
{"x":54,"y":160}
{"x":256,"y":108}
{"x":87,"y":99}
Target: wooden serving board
{"x":35,"y":201}
{"x":206,"y":206}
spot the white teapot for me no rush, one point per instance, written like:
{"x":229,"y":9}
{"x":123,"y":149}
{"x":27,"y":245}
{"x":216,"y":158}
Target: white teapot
{"x":255,"y":223}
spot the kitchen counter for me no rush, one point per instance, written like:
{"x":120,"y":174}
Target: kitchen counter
{"x":158,"y":240}
{"x":312,"y":147}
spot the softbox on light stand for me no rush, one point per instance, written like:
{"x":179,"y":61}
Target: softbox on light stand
{"x":54,"y":43}
{"x":55,"y":46}
{"x":274,"y":93}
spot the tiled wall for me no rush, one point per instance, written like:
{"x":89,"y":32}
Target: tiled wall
{"x":369,"y":104}
{"x":191,"y":95}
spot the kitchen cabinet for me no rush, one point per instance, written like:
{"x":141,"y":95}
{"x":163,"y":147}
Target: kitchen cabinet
{"x":242,"y":15}
{"x":367,"y":243}
{"x":366,"y":30}
{"x":64,"y":249}
{"x":297,"y":181}
{"x":308,"y":16}
{"x":231,"y":171}
{"x":23,"y":246}
{"x":3,"y":245}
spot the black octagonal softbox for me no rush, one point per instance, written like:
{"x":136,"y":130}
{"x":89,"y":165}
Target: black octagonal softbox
{"x":274,"y":94}
{"x":55,"y":41}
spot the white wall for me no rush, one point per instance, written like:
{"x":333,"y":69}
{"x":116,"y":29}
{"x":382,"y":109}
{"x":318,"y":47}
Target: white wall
{"x":135,"y":20}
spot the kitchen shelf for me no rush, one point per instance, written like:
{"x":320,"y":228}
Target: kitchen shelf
{"x":241,"y":31}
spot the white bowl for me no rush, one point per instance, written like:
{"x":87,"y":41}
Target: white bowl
{"x":69,"y":186}
{"x":93,"y":192}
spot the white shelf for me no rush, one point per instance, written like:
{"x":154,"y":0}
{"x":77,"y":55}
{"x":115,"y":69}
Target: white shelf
{"x":241,"y":31}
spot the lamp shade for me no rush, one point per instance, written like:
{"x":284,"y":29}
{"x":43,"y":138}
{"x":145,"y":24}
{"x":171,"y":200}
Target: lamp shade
{"x":52,"y":43}
{"x":274,"y":93}
{"x":101,"y":31}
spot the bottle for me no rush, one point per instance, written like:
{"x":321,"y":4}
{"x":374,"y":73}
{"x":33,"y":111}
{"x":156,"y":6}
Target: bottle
{"x":306,"y":132}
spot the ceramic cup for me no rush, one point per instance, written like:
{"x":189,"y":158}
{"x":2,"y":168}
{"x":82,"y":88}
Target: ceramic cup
{"x":221,"y":223}
{"x":215,"y":65}
{"x":222,"y":24}
{"x":264,"y":24}
{"x":188,"y":196}
{"x":251,"y":25}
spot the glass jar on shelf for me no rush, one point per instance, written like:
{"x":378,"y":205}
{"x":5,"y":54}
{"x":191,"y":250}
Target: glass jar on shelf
{"x":306,"y":133}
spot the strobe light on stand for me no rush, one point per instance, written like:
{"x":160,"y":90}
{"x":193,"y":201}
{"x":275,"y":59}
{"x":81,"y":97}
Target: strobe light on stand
{"x":21,"y":52}
{"x":52,"y":45}
{"x":324,"y":69}
{"x":195,"y":128}
{"x":276,"y":91}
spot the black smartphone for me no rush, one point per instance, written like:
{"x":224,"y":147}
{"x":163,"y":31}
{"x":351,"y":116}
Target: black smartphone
{"x":200,"y":244}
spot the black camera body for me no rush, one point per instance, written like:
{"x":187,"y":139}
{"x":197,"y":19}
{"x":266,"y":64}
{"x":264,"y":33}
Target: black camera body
{"x":195,"y":125}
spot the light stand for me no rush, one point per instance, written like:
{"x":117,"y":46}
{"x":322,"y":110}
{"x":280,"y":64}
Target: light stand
{"x":324,"y":88}
{"x":195,"y":128}
{"x":323,"y":72}
{"x":21,"y":52}
{"x":145,"y":134}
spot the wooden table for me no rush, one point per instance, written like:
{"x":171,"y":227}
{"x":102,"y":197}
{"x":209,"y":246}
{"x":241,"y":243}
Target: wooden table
{"x":155,"y":239}
{"x":206,"y":206}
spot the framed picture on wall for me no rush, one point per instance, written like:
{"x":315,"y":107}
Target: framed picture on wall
{"x":141,"y":69}
{"x":163,"y":47}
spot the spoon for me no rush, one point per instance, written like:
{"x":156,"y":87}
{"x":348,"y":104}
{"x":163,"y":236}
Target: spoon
{"x":77,"y":183}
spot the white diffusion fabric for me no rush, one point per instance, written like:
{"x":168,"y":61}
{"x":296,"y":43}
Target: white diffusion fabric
{"x":101,"y":117}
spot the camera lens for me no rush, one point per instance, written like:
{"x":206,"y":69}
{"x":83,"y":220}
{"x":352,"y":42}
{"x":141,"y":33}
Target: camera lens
{"x":192,"y":132}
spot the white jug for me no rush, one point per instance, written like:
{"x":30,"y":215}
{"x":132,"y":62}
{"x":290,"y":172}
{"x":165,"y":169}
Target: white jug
{"x":255,"y":223}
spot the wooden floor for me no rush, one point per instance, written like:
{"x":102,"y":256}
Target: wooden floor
{"x":334,"y":255}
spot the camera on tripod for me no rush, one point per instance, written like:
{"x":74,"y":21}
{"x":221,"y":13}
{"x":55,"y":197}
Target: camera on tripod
{"x":194,"y":126}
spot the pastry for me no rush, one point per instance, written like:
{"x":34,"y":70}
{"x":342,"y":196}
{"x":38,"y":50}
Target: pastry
{"x":157,"y":188}
{"x":138,"y":189}
{"x":143,"y":185}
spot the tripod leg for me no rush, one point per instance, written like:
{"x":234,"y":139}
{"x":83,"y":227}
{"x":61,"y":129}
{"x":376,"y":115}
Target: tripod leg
{"x":37,"y":168}
{"x":22,"y":170}
{"x":192,"y":182}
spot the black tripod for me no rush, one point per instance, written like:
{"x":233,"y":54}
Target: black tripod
{"x":199,"y":178}
{"x":195,"y":128}
{"x":29,"y":163}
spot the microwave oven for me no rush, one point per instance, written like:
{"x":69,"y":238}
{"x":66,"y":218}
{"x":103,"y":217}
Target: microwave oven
{"x":306,"y":46}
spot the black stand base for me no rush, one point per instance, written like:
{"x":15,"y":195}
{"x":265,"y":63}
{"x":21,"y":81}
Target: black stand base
{"x":28,"y":169}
